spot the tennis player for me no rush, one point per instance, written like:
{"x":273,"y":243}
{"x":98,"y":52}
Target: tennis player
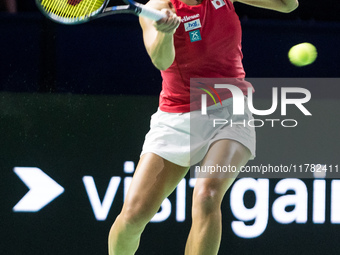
{"x":198,"y":38}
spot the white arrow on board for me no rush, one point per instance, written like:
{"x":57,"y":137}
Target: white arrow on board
{"x":43,"y":189}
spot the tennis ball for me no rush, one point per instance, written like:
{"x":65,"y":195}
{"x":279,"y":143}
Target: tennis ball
{"x":302,"y":54}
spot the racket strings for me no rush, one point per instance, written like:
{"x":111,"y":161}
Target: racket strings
{"x":72,"y":9}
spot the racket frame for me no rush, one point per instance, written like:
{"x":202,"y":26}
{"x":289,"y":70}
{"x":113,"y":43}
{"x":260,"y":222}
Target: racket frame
{"x":131,"y":7}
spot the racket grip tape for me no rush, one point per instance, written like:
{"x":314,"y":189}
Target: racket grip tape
{"x":151,"y":13}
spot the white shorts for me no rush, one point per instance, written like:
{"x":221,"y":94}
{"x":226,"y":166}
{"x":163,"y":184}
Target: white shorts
{"x":184,"y":138}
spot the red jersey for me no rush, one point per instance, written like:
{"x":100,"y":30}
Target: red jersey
{"x":207,"y":45}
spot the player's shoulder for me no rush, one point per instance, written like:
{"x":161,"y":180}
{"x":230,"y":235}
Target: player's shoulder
{"x":160,"y":4}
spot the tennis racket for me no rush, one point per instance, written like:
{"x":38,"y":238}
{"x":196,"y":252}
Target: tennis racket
{"x":80,"y":11}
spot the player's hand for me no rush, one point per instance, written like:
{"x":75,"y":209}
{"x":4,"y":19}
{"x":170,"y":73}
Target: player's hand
{"x":169,"y":24}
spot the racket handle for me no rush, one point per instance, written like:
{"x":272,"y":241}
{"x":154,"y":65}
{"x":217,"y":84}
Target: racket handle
{"x":151,"y":13}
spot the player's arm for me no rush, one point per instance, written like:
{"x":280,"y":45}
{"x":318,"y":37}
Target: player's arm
{"x":158,"y":36}
{"x":276,"y":5}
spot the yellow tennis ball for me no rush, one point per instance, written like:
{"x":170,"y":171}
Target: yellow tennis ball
{"x":302,"y":54}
